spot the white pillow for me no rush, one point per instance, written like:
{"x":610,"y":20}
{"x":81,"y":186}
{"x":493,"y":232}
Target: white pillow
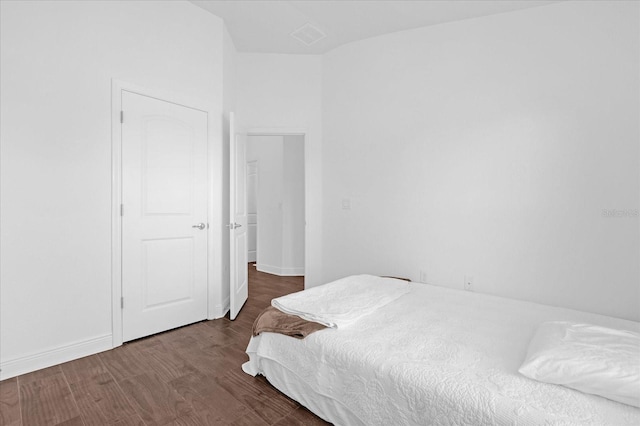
{"x":589,"y":358}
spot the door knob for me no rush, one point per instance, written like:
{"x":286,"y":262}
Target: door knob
{"x":200,"y":226}
{"x":233,"y":225}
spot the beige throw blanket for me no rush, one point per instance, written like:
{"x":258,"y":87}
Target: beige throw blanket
{"x":276,"y":321}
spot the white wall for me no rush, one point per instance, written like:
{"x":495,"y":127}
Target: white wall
{"x":229,"y":84}
{"x":280,"y":203}
{"x":57,"y":61}
{"x":491,"y":147}
{"x":283,"y":92}
{"x":293,"y":205}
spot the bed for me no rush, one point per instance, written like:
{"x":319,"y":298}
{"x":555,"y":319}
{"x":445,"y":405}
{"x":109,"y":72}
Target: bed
{"x":429,"y":355}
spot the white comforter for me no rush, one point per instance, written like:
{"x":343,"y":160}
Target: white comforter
{"x":433,"y":356}
{"x":344,"y":301}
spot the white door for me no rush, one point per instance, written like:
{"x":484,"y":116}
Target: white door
{"x":252,"y":210}
{"x":239,"y":286}
{"x":164,"y":215}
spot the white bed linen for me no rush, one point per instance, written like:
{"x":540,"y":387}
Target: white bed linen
{"x":344,"y":301}
{"x":433,"y":356}
{"x":589,"y":358}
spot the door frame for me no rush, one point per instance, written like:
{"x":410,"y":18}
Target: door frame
{"x":293,"y":131}
{"x":214,"y":192}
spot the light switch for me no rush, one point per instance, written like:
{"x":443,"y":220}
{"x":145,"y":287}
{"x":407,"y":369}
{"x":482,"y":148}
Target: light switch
{"x":346,"y":204}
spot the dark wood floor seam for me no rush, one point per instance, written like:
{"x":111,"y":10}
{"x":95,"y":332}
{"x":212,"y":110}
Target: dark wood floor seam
{"x":75,"y":402}
{"x":19,"y":402}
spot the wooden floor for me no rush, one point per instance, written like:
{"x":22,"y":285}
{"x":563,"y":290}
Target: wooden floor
{"x":187,"y":376}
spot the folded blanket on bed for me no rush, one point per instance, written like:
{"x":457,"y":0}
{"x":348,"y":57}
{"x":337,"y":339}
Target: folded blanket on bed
{"x":344,"y":301}
{"x":275,"y":321}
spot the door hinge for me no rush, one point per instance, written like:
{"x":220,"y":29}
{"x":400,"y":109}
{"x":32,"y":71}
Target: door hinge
{"x":122,"y":116}
{"x":121,"y":209}
{"x":122,"y":302}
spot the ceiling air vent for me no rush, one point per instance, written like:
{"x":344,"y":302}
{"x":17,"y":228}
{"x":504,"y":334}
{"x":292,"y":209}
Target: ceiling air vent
{"x":308,"y":34}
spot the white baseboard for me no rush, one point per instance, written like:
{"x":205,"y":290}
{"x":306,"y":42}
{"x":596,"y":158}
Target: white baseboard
{"x":221,"y":309}
{"x":27,"y":364}
{"x":283,"y":272}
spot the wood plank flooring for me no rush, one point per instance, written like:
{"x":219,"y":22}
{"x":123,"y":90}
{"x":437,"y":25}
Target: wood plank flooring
{"x":187,"y":376}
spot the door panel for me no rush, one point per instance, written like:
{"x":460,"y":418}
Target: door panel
{"x":164,"y":193}
{"x":159,"y":276}
{"x":167,"y":187}
{"x":239,"y":285}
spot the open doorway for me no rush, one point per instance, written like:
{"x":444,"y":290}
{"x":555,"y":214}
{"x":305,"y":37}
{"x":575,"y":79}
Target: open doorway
{"x":276,"y":203}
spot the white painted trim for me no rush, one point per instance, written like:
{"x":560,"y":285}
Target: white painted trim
{"x":221,"y":309}
{"x":214,"y":160}
{"x":291,"y":131}
{"x":116,"y":220}
{"x":283,"y":272}
{"x":29,"y":363}
{"x":277,"y":131}
{"x":216,"y":227}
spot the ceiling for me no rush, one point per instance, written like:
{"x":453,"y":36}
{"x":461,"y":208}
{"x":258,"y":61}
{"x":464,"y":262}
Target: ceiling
{"x":265,"y":26}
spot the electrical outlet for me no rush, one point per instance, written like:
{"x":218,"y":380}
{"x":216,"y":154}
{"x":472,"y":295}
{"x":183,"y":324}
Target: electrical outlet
{"x":468,"y":282}
{"x":423,"y":276}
